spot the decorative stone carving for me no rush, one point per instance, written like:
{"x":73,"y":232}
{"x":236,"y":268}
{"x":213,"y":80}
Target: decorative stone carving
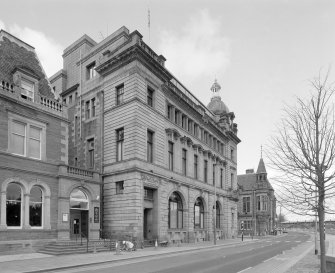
{"x":149,"y":179}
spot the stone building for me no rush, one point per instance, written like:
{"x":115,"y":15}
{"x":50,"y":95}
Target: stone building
{"x":158,"y":148}
{"x":39,"y":190}
{"x":257,"y":202}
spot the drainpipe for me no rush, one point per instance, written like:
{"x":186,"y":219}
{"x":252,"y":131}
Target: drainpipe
{"x":102,"y":108}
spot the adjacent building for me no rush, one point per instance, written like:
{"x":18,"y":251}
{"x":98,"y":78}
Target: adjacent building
{"x":257,"y":202}
{"x":39,"y":190}
{"x":161,"y":153}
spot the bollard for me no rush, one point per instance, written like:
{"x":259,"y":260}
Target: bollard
{"x":95,"y":248}
{"x":156,"y":244}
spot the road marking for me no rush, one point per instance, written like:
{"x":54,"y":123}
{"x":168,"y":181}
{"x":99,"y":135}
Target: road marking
{"x":287,"y":241}
{"x":298,"y":241}
{"x":245,"y":269}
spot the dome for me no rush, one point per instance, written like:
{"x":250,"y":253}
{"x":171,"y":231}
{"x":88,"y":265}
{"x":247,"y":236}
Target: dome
{"x":217,"y":106}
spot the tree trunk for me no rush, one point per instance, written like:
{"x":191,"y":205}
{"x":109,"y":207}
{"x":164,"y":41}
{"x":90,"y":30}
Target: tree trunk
{"x":322,"y":235}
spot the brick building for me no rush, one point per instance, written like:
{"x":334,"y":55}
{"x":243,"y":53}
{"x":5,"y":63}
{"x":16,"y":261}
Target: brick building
{"x":39,"y":191}
{"x":257,"y":202}
{"x":157,"y":147}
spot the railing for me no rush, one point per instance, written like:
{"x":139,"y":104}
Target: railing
{"x":45,"y":101}
{"x":77,"y":171}
{"x":51,"y":103}
{"x":7,"y":87}
{"x":82,"y":235}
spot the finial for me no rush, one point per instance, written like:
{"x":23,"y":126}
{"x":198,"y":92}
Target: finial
{"x":261,"y":151}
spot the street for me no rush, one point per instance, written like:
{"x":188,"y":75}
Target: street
{"x":230,"y":259}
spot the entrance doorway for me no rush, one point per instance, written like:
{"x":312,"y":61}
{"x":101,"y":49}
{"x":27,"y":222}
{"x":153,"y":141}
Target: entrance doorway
{"x":147,"y":223}
{"x":79,"y":223}
{"x":79,"y":214}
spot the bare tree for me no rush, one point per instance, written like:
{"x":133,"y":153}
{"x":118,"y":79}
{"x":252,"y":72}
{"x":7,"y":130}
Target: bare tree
{"x":303,"y":153}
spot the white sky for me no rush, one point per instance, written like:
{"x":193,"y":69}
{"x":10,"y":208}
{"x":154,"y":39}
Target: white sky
{"x":262,"y":52}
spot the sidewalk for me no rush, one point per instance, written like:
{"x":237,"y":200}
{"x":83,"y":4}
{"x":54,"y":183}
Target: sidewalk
{"x":36,"y":262}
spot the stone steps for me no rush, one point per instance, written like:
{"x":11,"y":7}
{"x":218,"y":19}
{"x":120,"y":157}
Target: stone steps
{"x":73,"y":247}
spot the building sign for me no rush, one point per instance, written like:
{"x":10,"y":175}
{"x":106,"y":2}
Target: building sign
{"x":96,"y":214}
{"x":65,"y":217}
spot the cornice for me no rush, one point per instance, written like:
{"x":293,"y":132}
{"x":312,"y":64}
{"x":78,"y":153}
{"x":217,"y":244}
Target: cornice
{"x":135,"y":52}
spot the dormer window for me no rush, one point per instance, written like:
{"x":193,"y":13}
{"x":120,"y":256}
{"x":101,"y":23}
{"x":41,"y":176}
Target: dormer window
{"x":27,"y":89}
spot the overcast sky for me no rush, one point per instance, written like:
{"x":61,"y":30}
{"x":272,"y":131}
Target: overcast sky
{"x":262,"y":52}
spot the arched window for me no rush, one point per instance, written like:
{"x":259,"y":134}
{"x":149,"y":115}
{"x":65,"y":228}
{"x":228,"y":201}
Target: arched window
{"x":36,"y":207}
{"x":198,"y":213}
{"x":13,"y":205}
{"x":78,"y":200}
{"x":217,"y":215}
{"x":175,"y":211}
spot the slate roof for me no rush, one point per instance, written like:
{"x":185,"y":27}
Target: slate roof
{"x":19,"y":55}
{"x":261,"y":167}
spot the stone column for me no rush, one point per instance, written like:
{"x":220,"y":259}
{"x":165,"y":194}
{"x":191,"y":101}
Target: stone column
{"x":3,"y":224}
{"x":25,"y":204}
{"x":46,"y":213}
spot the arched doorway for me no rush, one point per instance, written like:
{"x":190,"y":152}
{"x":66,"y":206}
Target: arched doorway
{"x":79,"y":205}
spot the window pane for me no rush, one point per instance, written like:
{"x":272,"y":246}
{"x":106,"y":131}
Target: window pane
{"x":78,"y":200}
{"x":13,"y":205}
{"x":35,"y":132}
{"x":36,"y":195}
{"x":180,"y":219}
{"x":18,"y":144}
{"x":173,"y":215}
{"x":19,"y":128}
{"x":196,"y":216}
{"x":34,"y":149}
{"x":35,"y":214}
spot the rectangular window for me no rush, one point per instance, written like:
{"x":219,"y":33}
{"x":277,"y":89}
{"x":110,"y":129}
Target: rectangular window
{"x":205,"y":171}
{"x":90,"y":153}
{"x":195,"y":166}
{"x":195,"y":129}
{"x":119,"y":186}
{"x":169,"y":112}
{"x":221,"y":178}
{"x":27,"y":89}
{"x":190,"y":122}
{"x":18,"y":138}
{"x":170,"y":156}
{"x":206,"y":137}
{"x":150,"y":97}
{"x":176,"y":116}
{"x":232,"y":154}
{"x":26,"y":140}
{"x":150,"y":146}
{"x":87,"y":109}
{"x":184,"y":161}
{"x":148,"y":194}
{"x":119,"y":144}
{"x":246,"y":204}
{"x":70,"y":99}
{"x":90,"y":71}
{"x":119,"y":94}
{"x":34,"y":144}
{"x":214,"y":175}
{"x":93,"y":107}
{"x":183,"y":121}
{"x":231,"y":180}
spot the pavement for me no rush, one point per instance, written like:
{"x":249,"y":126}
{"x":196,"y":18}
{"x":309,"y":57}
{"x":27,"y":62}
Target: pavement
{"x":37,"y":262}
